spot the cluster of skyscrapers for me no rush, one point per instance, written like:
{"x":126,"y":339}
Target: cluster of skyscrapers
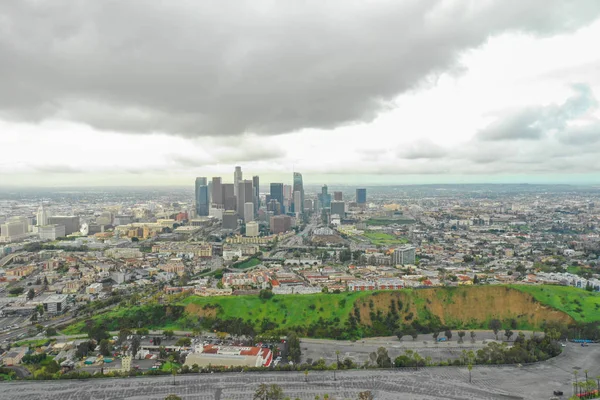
{"x":242,"y":200}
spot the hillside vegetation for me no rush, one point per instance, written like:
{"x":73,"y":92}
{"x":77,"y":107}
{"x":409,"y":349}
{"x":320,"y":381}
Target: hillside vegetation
{"x":363,"y":314}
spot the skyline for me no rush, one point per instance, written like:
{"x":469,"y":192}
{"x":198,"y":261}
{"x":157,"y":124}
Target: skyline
{"x":348,"y":94}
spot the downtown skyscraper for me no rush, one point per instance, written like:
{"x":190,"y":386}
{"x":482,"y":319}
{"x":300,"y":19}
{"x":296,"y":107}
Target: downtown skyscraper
{"x":298,"y":193}
{"x":201,"y":196}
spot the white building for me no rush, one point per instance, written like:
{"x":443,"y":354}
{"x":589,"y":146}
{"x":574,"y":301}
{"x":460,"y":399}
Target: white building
{"x":51,"y":232}
{"x":55,"y":304}
{"x":16,"y":228}
{"x":252,"y":229}
{"x":42,"y":216}
{"x":404,"y":255}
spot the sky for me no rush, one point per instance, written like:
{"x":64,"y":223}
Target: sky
{"x":123,"y":93}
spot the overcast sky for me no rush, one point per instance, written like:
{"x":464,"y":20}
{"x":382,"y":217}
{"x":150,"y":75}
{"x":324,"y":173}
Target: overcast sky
{"x":358,"y":92}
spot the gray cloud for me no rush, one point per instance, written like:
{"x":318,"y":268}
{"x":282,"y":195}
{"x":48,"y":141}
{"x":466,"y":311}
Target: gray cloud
{"x":535,"y":122}
{"x":422,"y":150}
{"x":225,"y":68}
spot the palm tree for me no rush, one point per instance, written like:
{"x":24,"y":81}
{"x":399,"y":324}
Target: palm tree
{"x":470,"y":368}
{"x":305,"y":375}
{"x":575,"y":372}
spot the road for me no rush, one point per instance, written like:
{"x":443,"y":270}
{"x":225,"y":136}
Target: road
{"x":530,"y":382}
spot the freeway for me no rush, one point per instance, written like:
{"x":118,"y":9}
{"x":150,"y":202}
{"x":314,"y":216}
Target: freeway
{"x":536,"y":381}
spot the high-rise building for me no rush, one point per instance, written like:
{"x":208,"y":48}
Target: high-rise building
{"x":274,"y":206}
{"x":324,"y":198}
{"x":338,"y":196}
{"x":217,"y":191}
{"x":230,"y":220}
{"x":42,"y":216}
{"x":237,"y":178}
{"x":277,"y":194}
{"x":201,"y":198}
{"x":252,"y":229}
{"x":71,"y":222}
{"x":248,"y":211}
{"x":338,"y":208}
{"x":281,"y":223}
{"x":256,"y":189}
{"x":361,"y":196}
{"x":404,"y":255}
{"x":229,"y":199}
{"x":298,"y":187}
{"x":245,"y":195}
{"x":287,"y":192}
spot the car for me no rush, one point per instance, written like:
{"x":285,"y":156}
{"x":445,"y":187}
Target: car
{"x":563,"y":345}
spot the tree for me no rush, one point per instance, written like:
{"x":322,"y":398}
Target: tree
{"x":399,"y":334}
{"x":473,"y":336}
{"x":104,"y":347}
{"x":294,"y":351}
{"x":135,"y":345}
{"x":50,"y":331}
{"x":461,"y":335}
{"x":168,"y":334}
{"x":495,"y":325}
{"x":470,"y":368}
{"x":172,"y":397}
{"x":383,"y":359}
{"x":448,"y":334}
{"x":435,"y":336}
{"x":34,"y":317}
{"x":157,"y":340}
{"x":265,"y":294}
{"x":508,"y":333}
{"x":30,"y":294}
{"x":184,"y":341}
{"x":16,"y":291}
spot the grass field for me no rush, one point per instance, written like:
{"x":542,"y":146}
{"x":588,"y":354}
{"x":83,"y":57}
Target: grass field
{"x":286,"y":311}
{"x":249,"y":263}
{"x":581,"y":305}
{"x":34,"y":343}
{"x":384,"y":239}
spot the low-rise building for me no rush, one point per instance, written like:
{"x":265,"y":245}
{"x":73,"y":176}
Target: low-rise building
{"x":230,"y":356}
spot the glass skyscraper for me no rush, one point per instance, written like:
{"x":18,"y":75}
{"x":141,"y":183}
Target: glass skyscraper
{"x":202,"y":198}
{"x":277,"y":194}
{"x":298,"y":187}
{"x":361,"y":196}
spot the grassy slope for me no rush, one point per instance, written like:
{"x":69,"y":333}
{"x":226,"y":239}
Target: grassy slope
{"x":462,"y":307}
{"x":566,"y":299}
{"x":384,"y":238}
{"x":287,"y":311}
{"x":249,"y":263}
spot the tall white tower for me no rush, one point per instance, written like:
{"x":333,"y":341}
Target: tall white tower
{"x":42,"y":216}
{"x":237,"y":178}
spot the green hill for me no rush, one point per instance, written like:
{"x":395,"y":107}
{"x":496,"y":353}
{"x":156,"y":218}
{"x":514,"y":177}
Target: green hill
{"x":362,"y":314}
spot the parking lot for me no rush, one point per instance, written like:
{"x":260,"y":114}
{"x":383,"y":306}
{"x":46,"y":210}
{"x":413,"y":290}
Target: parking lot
{"x":537,"y":381}
{"x":358,"y":351}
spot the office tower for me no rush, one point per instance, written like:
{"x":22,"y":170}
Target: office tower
{"x":209,"y":193}
{"x":277,"y":194}
{"x":404,"y":255}
{"x":245,"y":195}
{"x":70,"y":222}
{"x":217,"y":192}
{"x":298,"y":187}
{"x":274,"y":206}
{"x":308,"y":205}
{"x":256,"y":188}
{"x":338,"y":196}
{"x":237,"y":178}
{"x":361,"y":197}
{"x":42,"y":216}
{"x":287,"y":192}
{"x":229,"y":199}
{"x":105,"y":218}
{"x":324,"y":198}
{"x":338,"y":208}
{"x":297,"y":205}
{"x":230,"y":220}
{"x":252,"y":229}
{"x":202,"y":201}
{"x":281,"y":223}
{"x":248,"y":211}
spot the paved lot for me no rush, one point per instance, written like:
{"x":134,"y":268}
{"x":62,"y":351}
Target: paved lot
{"x":495,"y":383}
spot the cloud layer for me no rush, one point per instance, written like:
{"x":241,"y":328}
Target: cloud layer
{"x":227,"y":68}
